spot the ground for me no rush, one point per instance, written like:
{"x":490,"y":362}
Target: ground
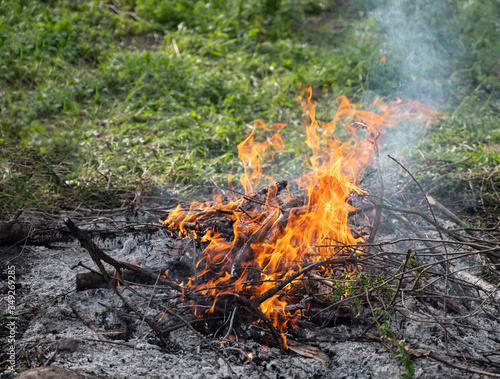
{"x":120,"y":107}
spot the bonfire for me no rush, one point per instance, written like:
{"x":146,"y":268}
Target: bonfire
{"x":282,"y":261}
{"x":257,"y":248}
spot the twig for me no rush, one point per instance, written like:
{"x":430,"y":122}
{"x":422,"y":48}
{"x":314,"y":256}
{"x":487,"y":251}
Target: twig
{"x":400,"y":281}
{"x":145,"y":313}
{"x":447,"y":267}
{"x":445,"y":211}
{"x":378,"y":211}
{"x":132,"y":15}
{"x":443,"y":166}
{"x":230,"y":325}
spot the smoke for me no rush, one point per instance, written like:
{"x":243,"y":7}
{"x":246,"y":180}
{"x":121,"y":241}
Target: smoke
{"x":413,"y":60}
{"x":437,"y":50}
{"x":414,"y":53}
{"x":445,"y":55}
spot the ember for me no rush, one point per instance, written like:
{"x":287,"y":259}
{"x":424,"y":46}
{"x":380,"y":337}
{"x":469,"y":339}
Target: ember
{"x":260,"y":246}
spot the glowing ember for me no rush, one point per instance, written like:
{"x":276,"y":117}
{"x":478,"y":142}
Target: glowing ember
{"x":275,"y":238}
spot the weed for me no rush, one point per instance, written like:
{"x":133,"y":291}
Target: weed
{"x":399,"y":346}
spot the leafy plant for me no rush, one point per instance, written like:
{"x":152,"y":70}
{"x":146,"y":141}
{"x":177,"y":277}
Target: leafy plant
{"x":399,"y":346}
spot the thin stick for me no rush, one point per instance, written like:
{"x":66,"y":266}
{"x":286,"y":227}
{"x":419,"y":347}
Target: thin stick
{"x":447,"y":265}
{"x":378,"y":211}
{"x":230,"y":325}
{"x":145,"y":313}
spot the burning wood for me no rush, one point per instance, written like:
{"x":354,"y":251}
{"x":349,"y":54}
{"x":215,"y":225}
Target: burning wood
{"x":254,"y":244}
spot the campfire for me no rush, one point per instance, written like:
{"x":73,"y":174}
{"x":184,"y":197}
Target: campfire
{"x":257,"y":248}
{"x":270,"y":250}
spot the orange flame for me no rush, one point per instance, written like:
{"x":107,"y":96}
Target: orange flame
{"x":271,"y":243}
{"x":250,"y":154}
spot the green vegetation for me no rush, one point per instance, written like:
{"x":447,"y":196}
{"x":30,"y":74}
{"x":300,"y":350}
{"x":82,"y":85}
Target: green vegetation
{"x":360,"y":287}
{"x":97,"y":98}
{"x":399,"y":349}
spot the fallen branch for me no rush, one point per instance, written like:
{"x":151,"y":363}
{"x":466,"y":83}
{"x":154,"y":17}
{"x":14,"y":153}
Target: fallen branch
{"x":98,"y":255}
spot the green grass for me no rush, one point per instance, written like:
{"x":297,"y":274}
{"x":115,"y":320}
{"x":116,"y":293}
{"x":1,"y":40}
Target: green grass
{"x":163,"y":95}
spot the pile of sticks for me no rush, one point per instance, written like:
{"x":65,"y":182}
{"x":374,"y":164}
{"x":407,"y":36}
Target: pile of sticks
{"x":419,"y":266}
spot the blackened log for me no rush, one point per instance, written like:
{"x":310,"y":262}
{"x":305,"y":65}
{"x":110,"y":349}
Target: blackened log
{"x":98,"y":256}
{"x":13,"y":232}
{"x":90,"y":280}
{"x":44,"y":233}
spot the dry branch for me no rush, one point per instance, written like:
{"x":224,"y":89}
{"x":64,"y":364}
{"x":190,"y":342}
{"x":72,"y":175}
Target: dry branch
{"x":98,"y":255}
